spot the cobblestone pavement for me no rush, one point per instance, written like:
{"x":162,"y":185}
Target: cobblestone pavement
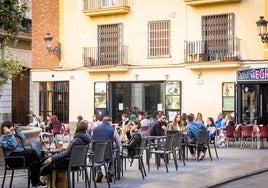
{"x":233,"y":163}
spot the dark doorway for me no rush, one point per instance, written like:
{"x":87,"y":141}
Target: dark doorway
{"x":21,"y":98}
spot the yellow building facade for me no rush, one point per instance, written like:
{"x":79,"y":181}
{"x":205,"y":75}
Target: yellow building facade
{"x":129,"y":56}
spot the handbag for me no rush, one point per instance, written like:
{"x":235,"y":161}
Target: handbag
{"x":19,"y":140}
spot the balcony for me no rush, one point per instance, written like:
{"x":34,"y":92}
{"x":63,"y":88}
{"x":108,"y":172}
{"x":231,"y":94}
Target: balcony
{"x":105,"y":56}
{"x":209,"y":52}
{"x":209,"y":2}
{"x":105,"y":7}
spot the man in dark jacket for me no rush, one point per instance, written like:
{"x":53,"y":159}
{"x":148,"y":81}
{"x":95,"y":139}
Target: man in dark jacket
{"x":104,"y":132}
{"x":156,"y":129}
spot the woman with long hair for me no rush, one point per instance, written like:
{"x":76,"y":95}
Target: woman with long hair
{"x":177,"y":124}
{"x":59,"y":162}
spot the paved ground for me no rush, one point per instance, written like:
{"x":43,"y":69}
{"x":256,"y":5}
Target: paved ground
{"x":260,"y":178}
{"x":233,"y":163}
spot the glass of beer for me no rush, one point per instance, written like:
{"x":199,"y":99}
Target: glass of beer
{"x":45,"y":142}
{"x":60,"y":144}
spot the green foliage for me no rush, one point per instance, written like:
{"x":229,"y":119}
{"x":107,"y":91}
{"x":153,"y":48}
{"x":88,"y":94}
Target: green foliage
{"x":10,"y":68}
{"x":11,"y":15}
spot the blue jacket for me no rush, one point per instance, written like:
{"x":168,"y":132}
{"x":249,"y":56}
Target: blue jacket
{"x":10,"y":144}
{"x":103,"y":132}
{"x":193,"y":128}
{"x":220,"y":124}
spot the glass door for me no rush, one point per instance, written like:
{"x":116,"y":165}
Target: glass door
{"x":249,"y":103}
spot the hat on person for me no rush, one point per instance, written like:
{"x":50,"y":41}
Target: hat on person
{"x":132,"y":117}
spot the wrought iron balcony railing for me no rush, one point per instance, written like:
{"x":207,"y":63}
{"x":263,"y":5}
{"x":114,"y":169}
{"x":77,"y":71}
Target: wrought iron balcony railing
{"x":105,"y":56}
{"x":214,"y":50}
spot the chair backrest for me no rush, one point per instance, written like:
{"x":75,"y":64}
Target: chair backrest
{"x":263,"y":131}
{"x":247,"y":131}
{"x":169,"y":142}
{"x":230,"y":131}
{"x":37,"y":146}
{"x":142,"y":146}
{"x":172,"y":132}
{"x":99,"y":149}
{"x":78,"y":156}
{"x":203,"y":137}
{"x":12,"y":162}
{"x":178,"y":139}
{"x":146,"y":133}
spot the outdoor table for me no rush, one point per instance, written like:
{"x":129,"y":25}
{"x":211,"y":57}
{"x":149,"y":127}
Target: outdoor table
{"x":153,"y":142}
{"x":51,"y":151}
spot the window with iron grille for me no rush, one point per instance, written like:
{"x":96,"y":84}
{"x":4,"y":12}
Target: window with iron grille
{"x":218,"y":36}
{"x":54,"y":100}
{"x":159,"y":38}
{"x":110,"y":48}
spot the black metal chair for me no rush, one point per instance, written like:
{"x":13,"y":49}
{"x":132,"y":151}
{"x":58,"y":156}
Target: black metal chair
{"x":77,"y":163}
{"x":97,"y":159}
{"x":165,"y":148}
{"x":13,"y":163}
{"x":202,"y":141}
{"x":37,"y":146}
{"x":178,"y":145}
{"x":138,"y":156}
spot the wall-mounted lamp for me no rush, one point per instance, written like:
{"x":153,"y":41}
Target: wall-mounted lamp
{"x":199,"y":75}
{"x":262,"y":29}
{"x":57,"y":50}
{"x":166,"y":76}
{"x":108,"y":77}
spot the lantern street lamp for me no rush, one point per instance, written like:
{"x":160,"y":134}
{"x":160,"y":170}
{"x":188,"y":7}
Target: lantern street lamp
{"x":262,"y":29}
{"x":57,"y":50}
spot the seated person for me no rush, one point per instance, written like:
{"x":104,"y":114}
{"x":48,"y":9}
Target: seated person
{"x":12,"y":140}
{"x":211,"y":128}
{"x":134,"y":136}
{"x":59,"y":162}
{"x":193,"y":128}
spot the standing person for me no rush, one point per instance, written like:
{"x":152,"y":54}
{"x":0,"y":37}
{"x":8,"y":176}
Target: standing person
{"x":104,"y":132}
{"x":122,"y":127}
{"x":134,"y":136}
{"x":95,"y":121}
{"x":184,"y":118}
{"x":177,"y":124}
{"x":156,"y":129}
{"x":12,"y":140}
{"x":59,"y":161}
{"x":140,"y":116}
{"x":124,"y":120}
{"x":193,"y":128}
